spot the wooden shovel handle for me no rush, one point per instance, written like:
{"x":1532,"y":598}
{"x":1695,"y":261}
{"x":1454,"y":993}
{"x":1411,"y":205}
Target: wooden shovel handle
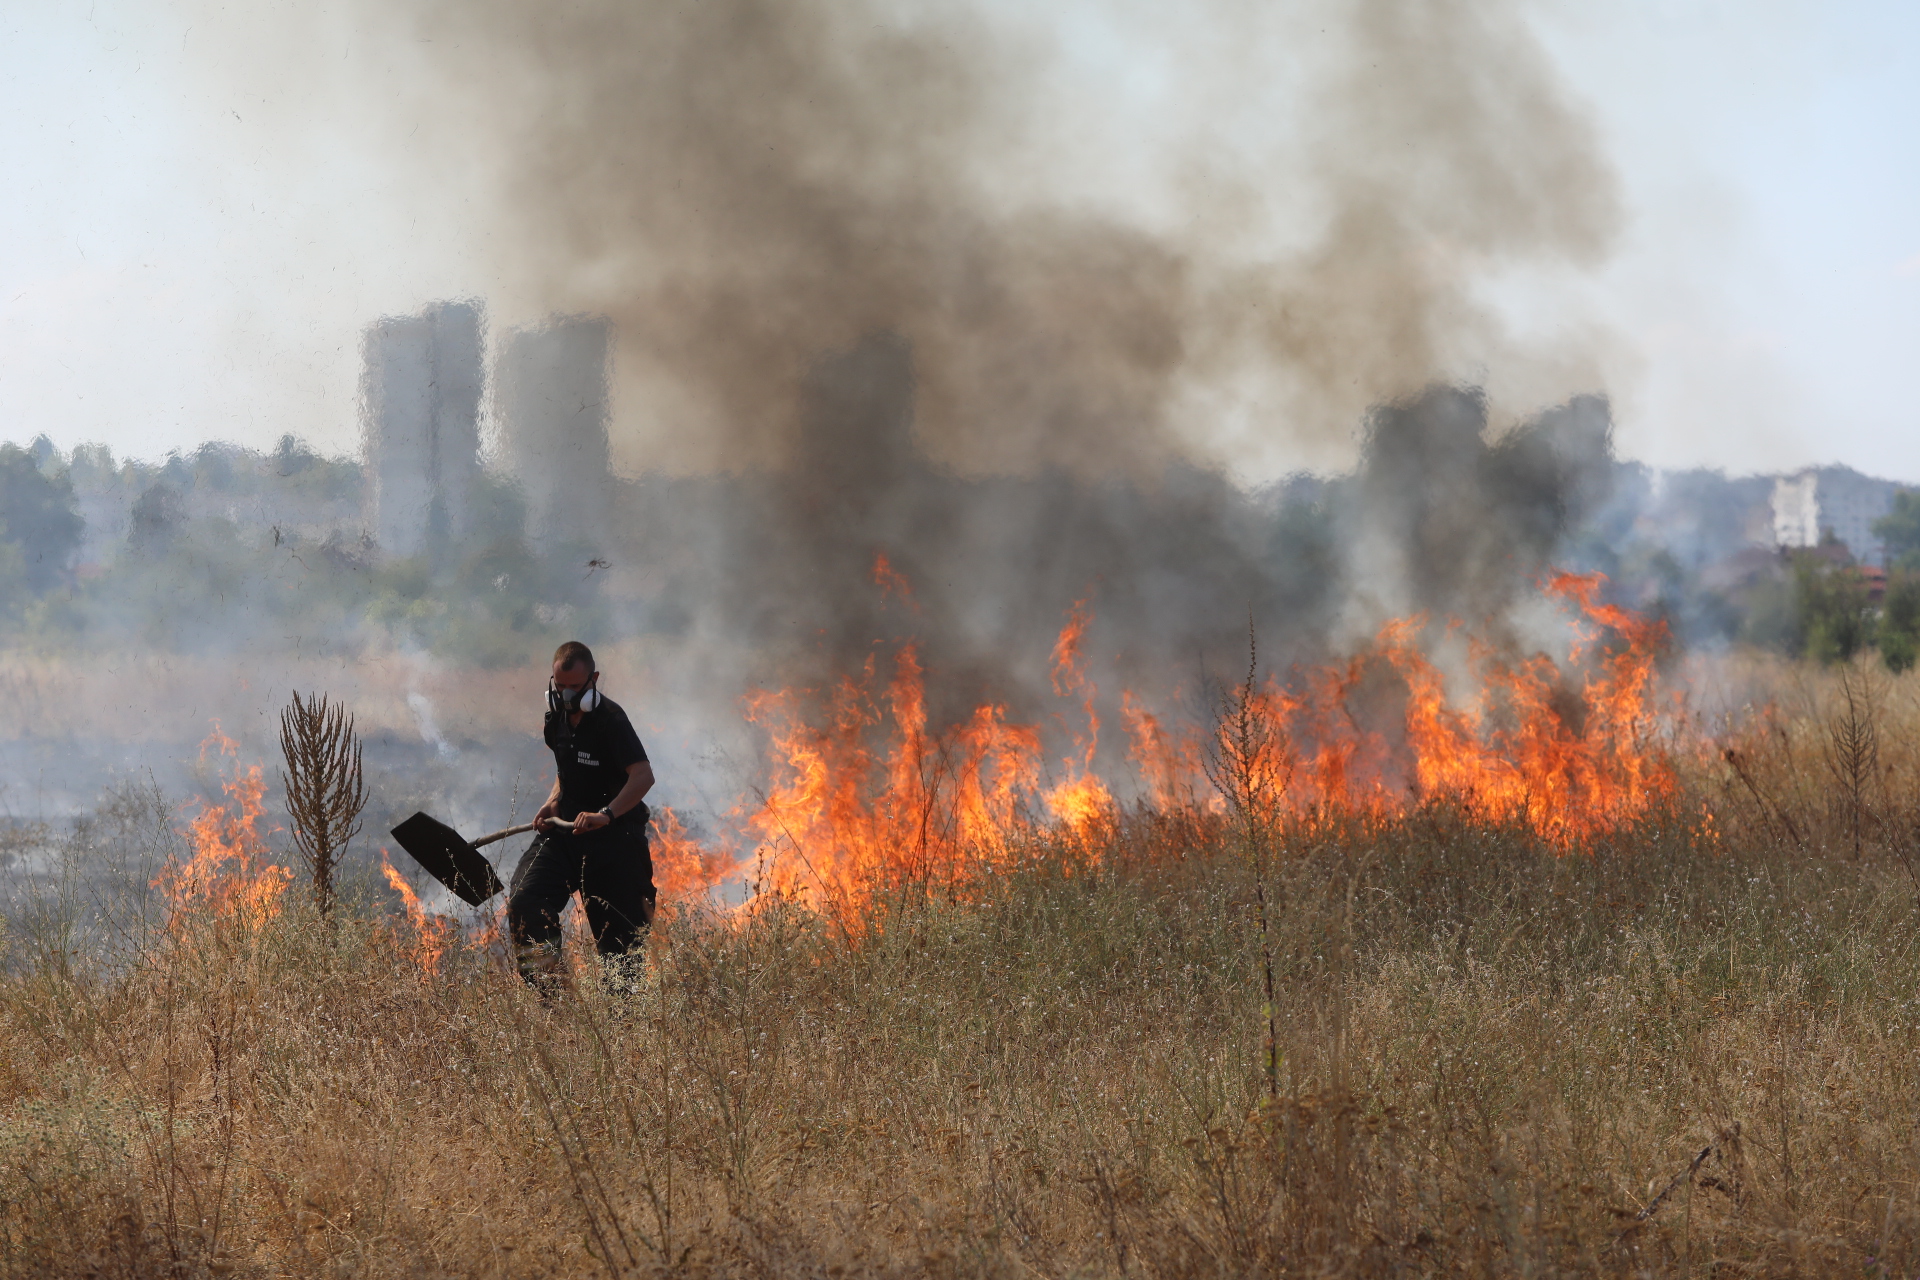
{"x":562,"y":823}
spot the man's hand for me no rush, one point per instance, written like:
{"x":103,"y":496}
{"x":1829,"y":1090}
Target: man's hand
{"x":592,"y":820}
{"x":547,"y":810}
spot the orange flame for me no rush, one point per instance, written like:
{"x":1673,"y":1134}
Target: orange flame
{"x":863,"y":794}
{"x":842,"y":818}
{"x":892,"y":582}
{"x":1081,"y":801}
{"x":228,"y":874}
{"x":683,"y":868}
{"x":1168,"y":763}
{"x":1564,"y":751}
{"x":429,"y":932}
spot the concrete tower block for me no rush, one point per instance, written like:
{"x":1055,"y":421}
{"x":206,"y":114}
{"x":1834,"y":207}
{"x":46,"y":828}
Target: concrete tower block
{"x":1796,"y":510}
{"x":550,"y":392}
{"x":420,"y":394}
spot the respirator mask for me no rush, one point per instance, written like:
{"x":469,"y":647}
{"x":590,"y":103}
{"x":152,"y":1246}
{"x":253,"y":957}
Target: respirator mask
{"x":570,"y":700}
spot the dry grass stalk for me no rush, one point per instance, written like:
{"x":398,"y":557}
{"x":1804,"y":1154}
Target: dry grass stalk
{"x":1250,"y":763}
{"x":1852,"y":749}
{"x":1248,"y":759}
{"x":1770,"y":810}
{"x":326,"y":793}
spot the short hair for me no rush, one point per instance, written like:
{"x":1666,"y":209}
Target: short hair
{"x":572,"y":654}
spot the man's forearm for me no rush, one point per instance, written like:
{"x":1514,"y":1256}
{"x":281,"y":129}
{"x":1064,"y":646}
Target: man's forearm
{"x":639,"y":782}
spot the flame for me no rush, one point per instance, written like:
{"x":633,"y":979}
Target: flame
{"x":489,"y":936}
{"x":428,"y":932}
{"x":228,"y":874}
{"x":1081,"y":802}
{"x":1070,"y":651}
{"x":1169,"y":763}
{"x":863,"y":794}
{"x":1564,"y":751}
{"x":683,"y":868}
{"x":843,"y":817}
{"x":892,"y":582}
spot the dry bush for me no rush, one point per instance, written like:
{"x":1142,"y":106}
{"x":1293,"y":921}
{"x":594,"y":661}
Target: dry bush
{"x":1688,"y":1048}
{"x":325,"y":790}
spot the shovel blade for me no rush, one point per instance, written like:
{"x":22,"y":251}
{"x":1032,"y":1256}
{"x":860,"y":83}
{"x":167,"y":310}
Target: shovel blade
{"x":448,"y":858}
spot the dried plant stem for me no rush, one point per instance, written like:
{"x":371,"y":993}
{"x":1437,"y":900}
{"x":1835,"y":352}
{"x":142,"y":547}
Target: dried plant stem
{"x":1770,"y":809}
{"x":325,"y":791}
{"x":1853,"y":750}
{"x":1249,"y":763}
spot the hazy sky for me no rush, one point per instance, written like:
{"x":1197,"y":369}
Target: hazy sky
{"x":199,"y":223}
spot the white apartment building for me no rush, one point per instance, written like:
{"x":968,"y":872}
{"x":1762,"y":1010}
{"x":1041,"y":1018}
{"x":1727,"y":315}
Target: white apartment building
{"x":1808,"y":503}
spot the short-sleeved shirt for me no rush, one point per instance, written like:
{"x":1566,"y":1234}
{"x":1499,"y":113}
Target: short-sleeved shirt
{"x":593,"y":756}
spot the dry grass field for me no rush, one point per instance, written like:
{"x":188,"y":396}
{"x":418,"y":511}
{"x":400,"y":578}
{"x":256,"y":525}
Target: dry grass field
{"x":1690,"y":1046}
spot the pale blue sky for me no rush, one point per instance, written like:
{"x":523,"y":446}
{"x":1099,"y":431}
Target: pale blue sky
{"x":185,"y":257}
{"x":1771,"y":276}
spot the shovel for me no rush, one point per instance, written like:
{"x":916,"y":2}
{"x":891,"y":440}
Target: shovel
{"x":454,"y":861}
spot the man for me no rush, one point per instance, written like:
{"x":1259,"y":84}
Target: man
{"x":601,"y":777}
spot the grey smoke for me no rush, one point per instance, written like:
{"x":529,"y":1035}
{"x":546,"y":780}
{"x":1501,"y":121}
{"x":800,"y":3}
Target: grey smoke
{"x":747,"y":187}
{"x":422,"y":707}
{"x":1446,"y":522}
{"x":814,"y":229}
{"x":776,"y":570}
{"x":850,"y":316}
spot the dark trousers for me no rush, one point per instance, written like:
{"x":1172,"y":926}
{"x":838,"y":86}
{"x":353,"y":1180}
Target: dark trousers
{"x":610,"y":868}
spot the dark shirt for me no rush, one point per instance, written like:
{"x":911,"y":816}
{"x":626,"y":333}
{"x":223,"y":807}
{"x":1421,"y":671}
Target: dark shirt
{"x":592,"y":756}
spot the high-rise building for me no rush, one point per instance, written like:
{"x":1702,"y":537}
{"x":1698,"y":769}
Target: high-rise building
{"x":420,"y":395}
{"x":550,"y":397}
{"x":1838,"y":500}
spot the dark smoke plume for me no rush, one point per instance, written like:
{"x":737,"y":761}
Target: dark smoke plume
{"x":818,"y":231}
{"x":779,"y":567}
{"x":858,"y":313}
{"x":1464,"y":526}
{"x":748,"y":186}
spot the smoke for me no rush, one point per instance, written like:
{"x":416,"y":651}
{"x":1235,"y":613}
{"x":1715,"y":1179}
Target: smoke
{"x":1443,"y":521}
{"x":749,"y":186}
{"x":795,"y":576}
{"x":38,"y":528}
{"x":936,"y":286}
{"x":422,"y":707}
{"x":837,"y":262}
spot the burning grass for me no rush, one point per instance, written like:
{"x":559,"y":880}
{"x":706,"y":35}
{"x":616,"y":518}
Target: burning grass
{"x":1681,"y":1039}
{"x":864,"y":794}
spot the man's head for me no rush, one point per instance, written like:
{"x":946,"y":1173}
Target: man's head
{"x":573,"y":668}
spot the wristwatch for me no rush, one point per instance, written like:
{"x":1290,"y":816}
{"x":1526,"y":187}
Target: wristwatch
{"x":607,"y":812}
